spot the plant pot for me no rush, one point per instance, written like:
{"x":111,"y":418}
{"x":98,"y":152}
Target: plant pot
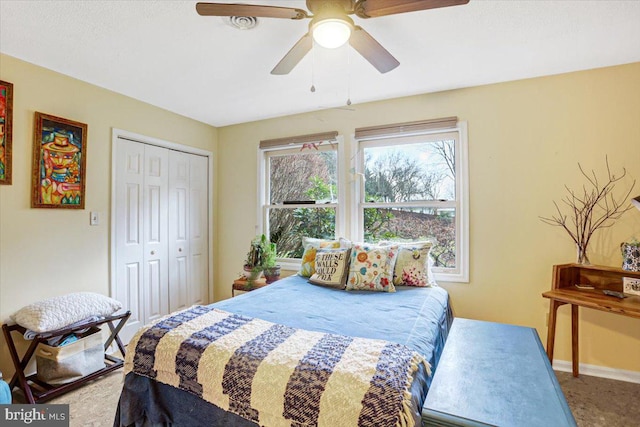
{"x":250,"y":273}
{"x":272,"y":274}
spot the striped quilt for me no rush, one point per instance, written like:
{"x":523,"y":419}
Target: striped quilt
{"x":275,"y":375}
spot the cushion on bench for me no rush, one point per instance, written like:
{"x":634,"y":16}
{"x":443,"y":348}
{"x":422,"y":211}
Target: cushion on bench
{"x":58,"y":312}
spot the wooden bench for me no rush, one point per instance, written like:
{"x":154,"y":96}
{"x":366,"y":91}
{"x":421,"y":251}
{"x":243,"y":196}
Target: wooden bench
{"x":492,"y":374}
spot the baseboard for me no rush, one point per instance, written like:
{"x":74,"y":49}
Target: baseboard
{"x":599,"y":371}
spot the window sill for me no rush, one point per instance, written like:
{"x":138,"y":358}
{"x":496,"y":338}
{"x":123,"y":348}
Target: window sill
{"x":290,"y":265}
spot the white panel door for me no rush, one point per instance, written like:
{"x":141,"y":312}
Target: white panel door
{"x":129,"y":233}
{"x":160,"y":231}
{"x":178,"y":230}
{"x":155,"y":214}
{"x":198,"y":290}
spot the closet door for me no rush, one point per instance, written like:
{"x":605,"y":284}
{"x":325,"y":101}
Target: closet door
{"x":155,"y":219}
{"x":160,"y":231}
{"x":198,"y":288}
{"x":141,"y":237}
{"x":188,"y":230}
{"x":179,"y":274}
{"x":128,"y":226}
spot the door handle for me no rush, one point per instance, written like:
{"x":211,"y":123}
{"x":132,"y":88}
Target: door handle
{"x":153,"y":252}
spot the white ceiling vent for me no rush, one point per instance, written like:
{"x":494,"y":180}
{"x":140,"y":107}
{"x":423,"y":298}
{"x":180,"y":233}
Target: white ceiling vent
{"x":242,"y":22}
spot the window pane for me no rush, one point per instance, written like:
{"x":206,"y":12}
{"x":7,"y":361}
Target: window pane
{"x":307,"y":175}
{"x":288,"y":227}
{"x":410,"y":172}
{"x":415,"y":224}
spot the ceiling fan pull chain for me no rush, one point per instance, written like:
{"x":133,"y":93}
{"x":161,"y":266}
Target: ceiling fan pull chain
{"x":348,"y":76}
{"x":313,"y":66}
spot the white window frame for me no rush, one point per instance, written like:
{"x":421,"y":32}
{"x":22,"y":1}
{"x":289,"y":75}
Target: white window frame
{"x":263,"y":192}
{"x":461,"y":204}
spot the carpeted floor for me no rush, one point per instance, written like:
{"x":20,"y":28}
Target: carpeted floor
{"x":601,"y":402}
{"x":595,"y":402}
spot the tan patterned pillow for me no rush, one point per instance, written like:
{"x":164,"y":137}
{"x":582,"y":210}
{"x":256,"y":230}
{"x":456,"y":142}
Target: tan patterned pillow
{"x":332,"y":268}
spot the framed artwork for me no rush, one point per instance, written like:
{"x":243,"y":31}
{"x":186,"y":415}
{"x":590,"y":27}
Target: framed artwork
{"x":59,"y":159}
{"x":6,"y":126}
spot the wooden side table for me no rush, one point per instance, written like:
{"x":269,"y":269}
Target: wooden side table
{"x":564,"y":291}
{"x":242,"y":284}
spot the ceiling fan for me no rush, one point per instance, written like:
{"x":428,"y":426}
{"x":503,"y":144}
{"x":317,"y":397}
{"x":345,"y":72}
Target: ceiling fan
{"x":330,"y":25}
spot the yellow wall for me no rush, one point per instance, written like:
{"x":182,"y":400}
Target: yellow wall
{"x":49,"y":252}
{"x":525,"y":139}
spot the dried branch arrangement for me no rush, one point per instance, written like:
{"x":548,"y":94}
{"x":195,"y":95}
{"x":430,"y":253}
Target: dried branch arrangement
{"x":595,"y":207}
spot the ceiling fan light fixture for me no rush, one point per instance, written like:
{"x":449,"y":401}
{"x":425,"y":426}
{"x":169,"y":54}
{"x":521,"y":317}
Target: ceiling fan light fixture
{"x":332,"y":32}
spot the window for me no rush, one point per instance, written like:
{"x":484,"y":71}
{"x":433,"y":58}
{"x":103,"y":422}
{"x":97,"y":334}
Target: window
{"x":413,"y":188}
{"x":301,"y":194}
{"x":407,"y":182}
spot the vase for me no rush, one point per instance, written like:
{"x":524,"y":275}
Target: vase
{"x":582,"y":256}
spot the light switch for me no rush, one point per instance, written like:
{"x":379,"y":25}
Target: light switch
{"x":94,"y":218}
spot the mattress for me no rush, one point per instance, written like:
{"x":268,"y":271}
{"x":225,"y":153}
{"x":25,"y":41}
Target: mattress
{"x":416,"y":317}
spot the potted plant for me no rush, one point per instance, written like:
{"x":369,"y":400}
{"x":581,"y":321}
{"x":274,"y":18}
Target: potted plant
{"x":261,"y":258}
{"x":253,"y":262}
{"x":270,"y":268}
{"x":593,"y":208}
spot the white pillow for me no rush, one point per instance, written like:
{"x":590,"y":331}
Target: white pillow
{"x":58,"y":312}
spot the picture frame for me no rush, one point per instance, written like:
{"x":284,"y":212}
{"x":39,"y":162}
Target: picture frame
{"x":6,"y":131}
{"x":59,"y":163}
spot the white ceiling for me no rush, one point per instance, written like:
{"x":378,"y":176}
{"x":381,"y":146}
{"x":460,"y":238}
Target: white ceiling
{"x":164,"y":53}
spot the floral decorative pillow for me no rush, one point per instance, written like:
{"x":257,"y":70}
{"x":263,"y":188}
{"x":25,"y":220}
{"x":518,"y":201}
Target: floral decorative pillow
{"x":332,"y":268}
{"x":372,"y":267}
{"x":412,"y":266}
{"x":311,"y":245}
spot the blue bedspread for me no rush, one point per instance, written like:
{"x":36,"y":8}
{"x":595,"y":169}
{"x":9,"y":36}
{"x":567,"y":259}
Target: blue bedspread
{"x":416,"y":317}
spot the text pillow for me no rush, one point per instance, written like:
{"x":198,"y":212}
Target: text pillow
{"x":332,"y":268}
{"x":311,"y":245}
{"x":371,"y":267}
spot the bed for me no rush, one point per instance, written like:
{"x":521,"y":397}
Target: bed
{"x":418,"y":318}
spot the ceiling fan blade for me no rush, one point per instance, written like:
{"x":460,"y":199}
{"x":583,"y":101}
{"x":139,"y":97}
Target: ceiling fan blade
{"x":295,"y":55}
{"x":372,"y":51}
{"x":226,"y":9}
{"x":374,"y":8}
